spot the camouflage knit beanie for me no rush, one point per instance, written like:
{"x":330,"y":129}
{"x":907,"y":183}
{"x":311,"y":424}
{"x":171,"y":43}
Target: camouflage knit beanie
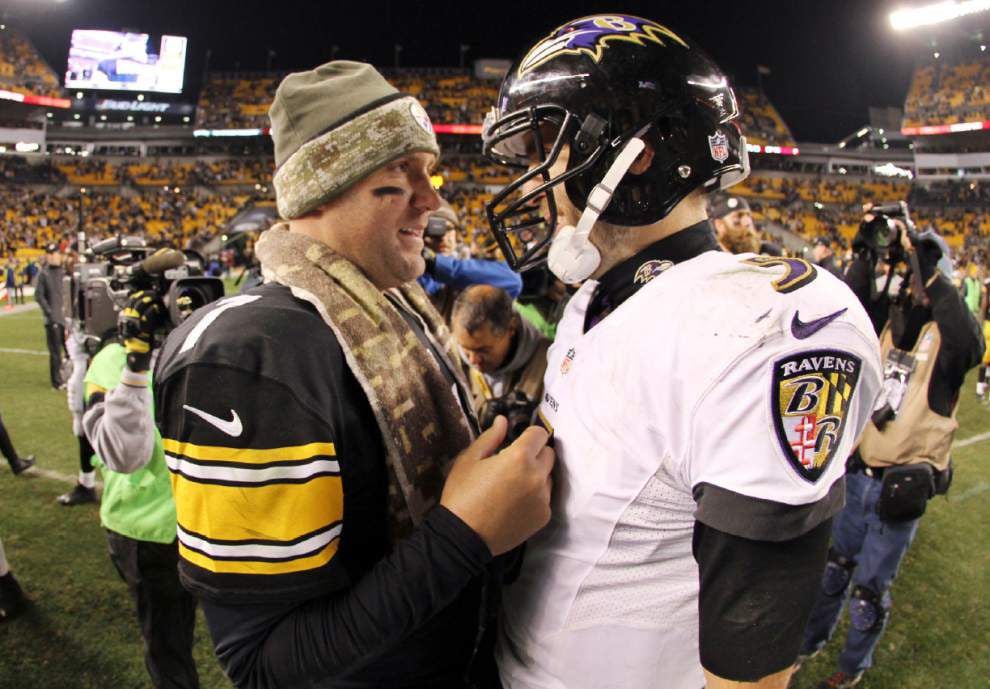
{"x":335,"y":125}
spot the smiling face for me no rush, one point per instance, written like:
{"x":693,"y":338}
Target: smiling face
{"x":378,"y":223}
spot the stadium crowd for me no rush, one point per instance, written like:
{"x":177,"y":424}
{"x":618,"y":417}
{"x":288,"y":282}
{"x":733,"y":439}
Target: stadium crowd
{"x":22,"y":69}
{"x":948,"y":93}
{"x":760,"y":120}
{"x":806,"y":204}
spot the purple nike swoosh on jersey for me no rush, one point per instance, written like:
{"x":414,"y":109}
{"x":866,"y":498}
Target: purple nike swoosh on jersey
{"x":803,"y":331}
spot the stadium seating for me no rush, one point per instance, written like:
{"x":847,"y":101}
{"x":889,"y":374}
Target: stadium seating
{"x":212,"y":190}
{"x":22,"y":69}
{"x":945,"y":93}
{"x":760,"y":121}
{"x":449,"y":96}
{"x":171,"y":172}
{"x":236,"y":101}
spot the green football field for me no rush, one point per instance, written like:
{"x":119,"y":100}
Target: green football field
{"x":81,"y":632}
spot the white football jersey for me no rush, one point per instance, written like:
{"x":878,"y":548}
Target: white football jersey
{"x":740,"y":373}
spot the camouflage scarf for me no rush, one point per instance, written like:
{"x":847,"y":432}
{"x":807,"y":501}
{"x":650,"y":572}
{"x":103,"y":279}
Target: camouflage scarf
{"x":420,"y":418}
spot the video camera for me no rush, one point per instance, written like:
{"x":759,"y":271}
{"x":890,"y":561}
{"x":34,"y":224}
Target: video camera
{"x":882,"y":234}
{"x":515,"y":407}
{"x":115,"y":268}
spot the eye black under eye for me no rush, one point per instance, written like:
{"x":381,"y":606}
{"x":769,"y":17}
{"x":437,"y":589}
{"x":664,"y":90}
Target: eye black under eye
{"x":387,"y":191}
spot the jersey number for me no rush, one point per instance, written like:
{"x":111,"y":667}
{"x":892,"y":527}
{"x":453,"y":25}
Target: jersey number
{"x":797,"y":271}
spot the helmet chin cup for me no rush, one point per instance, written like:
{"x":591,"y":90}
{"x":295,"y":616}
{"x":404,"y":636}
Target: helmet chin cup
{"x":572,"y":256}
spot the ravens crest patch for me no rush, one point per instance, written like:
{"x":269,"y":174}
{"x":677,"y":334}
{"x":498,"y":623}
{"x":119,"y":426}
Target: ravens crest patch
{"x":810,"y":403}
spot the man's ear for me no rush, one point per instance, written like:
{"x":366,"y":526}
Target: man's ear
{"x":643,"y":160}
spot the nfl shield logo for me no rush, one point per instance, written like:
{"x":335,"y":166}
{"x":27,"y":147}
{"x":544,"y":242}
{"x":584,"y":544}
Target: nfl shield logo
{"x":718,"y":144}
{"x":565,"y":365}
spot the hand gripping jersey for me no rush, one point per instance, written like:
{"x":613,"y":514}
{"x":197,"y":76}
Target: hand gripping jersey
{"x":728,"y":390}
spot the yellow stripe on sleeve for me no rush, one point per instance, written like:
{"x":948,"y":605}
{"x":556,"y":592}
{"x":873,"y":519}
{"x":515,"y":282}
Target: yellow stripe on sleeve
{"x":276,"y":512}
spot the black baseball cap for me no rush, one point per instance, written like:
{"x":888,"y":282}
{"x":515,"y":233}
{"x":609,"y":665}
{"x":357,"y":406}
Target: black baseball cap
{"x":728,"y":204}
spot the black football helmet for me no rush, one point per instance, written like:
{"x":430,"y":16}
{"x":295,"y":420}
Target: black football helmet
{"x":593,"y":84}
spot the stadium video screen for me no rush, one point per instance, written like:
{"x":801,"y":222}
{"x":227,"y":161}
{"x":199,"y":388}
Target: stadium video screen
{"x":114,"y":60}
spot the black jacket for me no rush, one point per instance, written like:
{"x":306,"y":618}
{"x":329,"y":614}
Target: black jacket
{"x":48,"y":294}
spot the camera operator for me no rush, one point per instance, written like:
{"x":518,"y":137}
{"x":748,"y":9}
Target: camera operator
{"x":75,"y":344}
{"x":928,"y":340}
{"x":137,"y":509}
{"x":446,"y":275}
{"x":505,"y":353}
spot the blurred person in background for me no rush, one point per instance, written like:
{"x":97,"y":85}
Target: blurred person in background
{"x":446,"y":274}
{"x":505,"y":353}
{"x":48,"y":294}
{"x":542,"y":300}
{"x":823,"y":257}
{"x":735,"y":229}
{"x":12,"y":598}
{"x":17,"y":463}
{"x":137,"y":510}
{"x":929,"y":340}
{"x":10,"y":281}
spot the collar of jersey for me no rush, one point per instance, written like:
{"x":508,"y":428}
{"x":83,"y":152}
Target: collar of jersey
{"x":618,"y":284}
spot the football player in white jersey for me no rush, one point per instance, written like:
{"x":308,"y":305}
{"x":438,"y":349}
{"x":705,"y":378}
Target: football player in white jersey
{"x":702,"y":404}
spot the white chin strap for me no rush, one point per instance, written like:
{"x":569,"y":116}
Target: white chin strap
{"x":572,"y":257}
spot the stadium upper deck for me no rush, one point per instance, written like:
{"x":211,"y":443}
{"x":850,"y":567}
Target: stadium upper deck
{"x":22,"y":69}
{"x":949,"y":93}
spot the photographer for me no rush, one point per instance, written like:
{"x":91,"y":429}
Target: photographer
{"x":928,"y":340}
{"x":506,"y":354}
{"x":137,"y":509}
{"x":446,"y":275}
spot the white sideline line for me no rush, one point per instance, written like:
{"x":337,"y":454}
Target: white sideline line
{"x":972,"y":440}
{"x":55,"y":475}
{"x":981,"y":487}
{"x":20,"y":308}
{"x":11,"y":350}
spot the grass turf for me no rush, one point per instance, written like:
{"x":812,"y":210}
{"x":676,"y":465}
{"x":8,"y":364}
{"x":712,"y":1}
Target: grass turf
{"x":81,"y":631}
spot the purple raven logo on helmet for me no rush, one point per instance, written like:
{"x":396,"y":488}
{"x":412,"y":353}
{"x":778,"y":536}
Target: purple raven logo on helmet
{"x":591,"y":35}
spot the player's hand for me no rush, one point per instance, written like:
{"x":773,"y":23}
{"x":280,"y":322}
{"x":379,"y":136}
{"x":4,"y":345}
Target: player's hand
{"x":136,"y":325}
{"x":504,"y":497}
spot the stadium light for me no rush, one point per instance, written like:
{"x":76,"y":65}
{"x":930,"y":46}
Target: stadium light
{"x":926,"y":15}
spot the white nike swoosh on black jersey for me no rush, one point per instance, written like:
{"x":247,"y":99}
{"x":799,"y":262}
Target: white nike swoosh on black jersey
{"x":232,"y":428}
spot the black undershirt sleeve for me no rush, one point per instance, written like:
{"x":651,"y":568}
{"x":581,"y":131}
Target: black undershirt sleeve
{"x":755,"y":599}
